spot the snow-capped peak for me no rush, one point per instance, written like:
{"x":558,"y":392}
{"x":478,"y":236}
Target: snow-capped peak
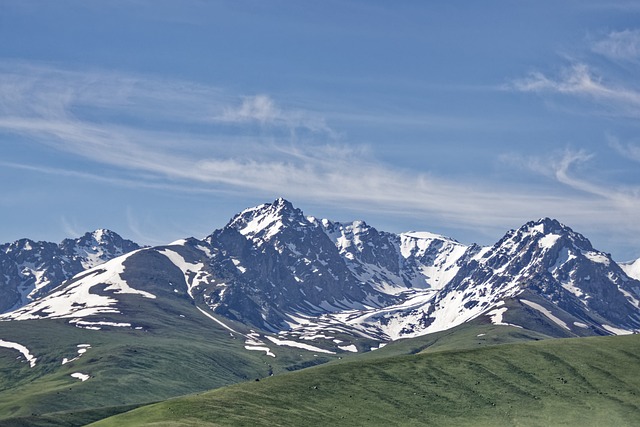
{"x":34,"y":268}
{"x":96,"y":247}
{"x":79,"y":298}
{"x":425,"y":235}
{"x":266,"y":220}
{"x":541,"y":228}
{"x":544,"y":225}
{"x":543,"y":234}
{"x":101,"y":234}
{"x":632,"y":269}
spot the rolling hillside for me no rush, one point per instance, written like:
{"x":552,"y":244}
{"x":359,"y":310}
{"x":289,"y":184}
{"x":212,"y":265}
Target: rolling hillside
{"x":584,"y":381}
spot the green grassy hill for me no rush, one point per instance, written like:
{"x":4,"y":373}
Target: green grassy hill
{"x":468,"y":336}
{"x":455,"y":377}
{"x":172,"y":356}
{"x":584,"y":381}
{"x":179,"y":351}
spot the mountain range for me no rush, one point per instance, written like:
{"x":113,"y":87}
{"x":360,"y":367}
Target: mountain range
{"x":279,"y":271}
{"x":283,"y":290}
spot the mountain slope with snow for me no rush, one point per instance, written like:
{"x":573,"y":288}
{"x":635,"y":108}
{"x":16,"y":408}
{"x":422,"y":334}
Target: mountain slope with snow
{"x":392,"y":263}
{"x":276,"y":270}
{"x":29,"y":269}
{"x":632,"y":269}
{"x":551,"y":261}
{"x":87,"y":294}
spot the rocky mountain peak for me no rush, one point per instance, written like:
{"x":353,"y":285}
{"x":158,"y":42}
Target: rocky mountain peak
{"x":265,"y":221}
{"x":102,"y":235}
{"x":546,"y":225}
{"x":25,"y":246}
{"x":31,"y":269}
{"x":545,"y":235}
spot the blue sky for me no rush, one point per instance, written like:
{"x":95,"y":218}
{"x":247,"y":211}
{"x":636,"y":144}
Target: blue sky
{"x":162,"y":119}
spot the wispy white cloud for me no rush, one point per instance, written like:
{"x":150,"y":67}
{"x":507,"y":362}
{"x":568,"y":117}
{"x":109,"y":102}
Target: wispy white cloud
{"x":150,"y":182}
{"x":72,"y":230}
{"x":267,"y":164}
{"x":628,"y":150}
{"x":619,"y":45}
{"x":580,"y":81}
{"x":136,"y":230}
{"x":260,"y":108}
{"x":564,"y":168}
{"x":577,"y":80}
{"x":43,"y":91}
{"x":263,"y":109}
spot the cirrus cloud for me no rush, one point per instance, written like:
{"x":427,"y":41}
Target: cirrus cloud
{"x":210,"y":157}
{"x":580,"y":81}
{"x":619,"y":45}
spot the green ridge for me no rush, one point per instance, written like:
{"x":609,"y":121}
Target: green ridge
{"x":582,"y":381}
{"x":172,"y":356}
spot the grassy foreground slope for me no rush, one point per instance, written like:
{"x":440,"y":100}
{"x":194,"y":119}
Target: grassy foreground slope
{"x":178,"y":351}
{"x":57,"y":400}
{"x":585,"y":381}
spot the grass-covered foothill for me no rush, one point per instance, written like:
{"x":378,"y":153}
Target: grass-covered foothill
{"x":468,"y":336}
{"x":576,"y":382}
{"x":178,"y":351}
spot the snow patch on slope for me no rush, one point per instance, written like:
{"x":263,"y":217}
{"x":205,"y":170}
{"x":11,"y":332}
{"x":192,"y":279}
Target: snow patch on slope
{"x":84,"y":324}
{"x":210,"y":316}
{"x":546,"y":312}
{"x":617,"y":331}
{"x":596,"y":257}
{"x":30,"y":269}
{"x":548,"y":241}
{"x":288,"y":343}
{"x":352,"y":348}
{"x":497,"y":314}
{"x":254,"y":343}
{"x":392,"y":322}
{"x":436,"y":256}
{"x":267,"y":350}
{"x":79,"y":375}
{"x":252,"y":340}
{"x":82,"y":349}
{"x":77,"y":300}
{"x":22,"y":349}
{"x":194,"y":274}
